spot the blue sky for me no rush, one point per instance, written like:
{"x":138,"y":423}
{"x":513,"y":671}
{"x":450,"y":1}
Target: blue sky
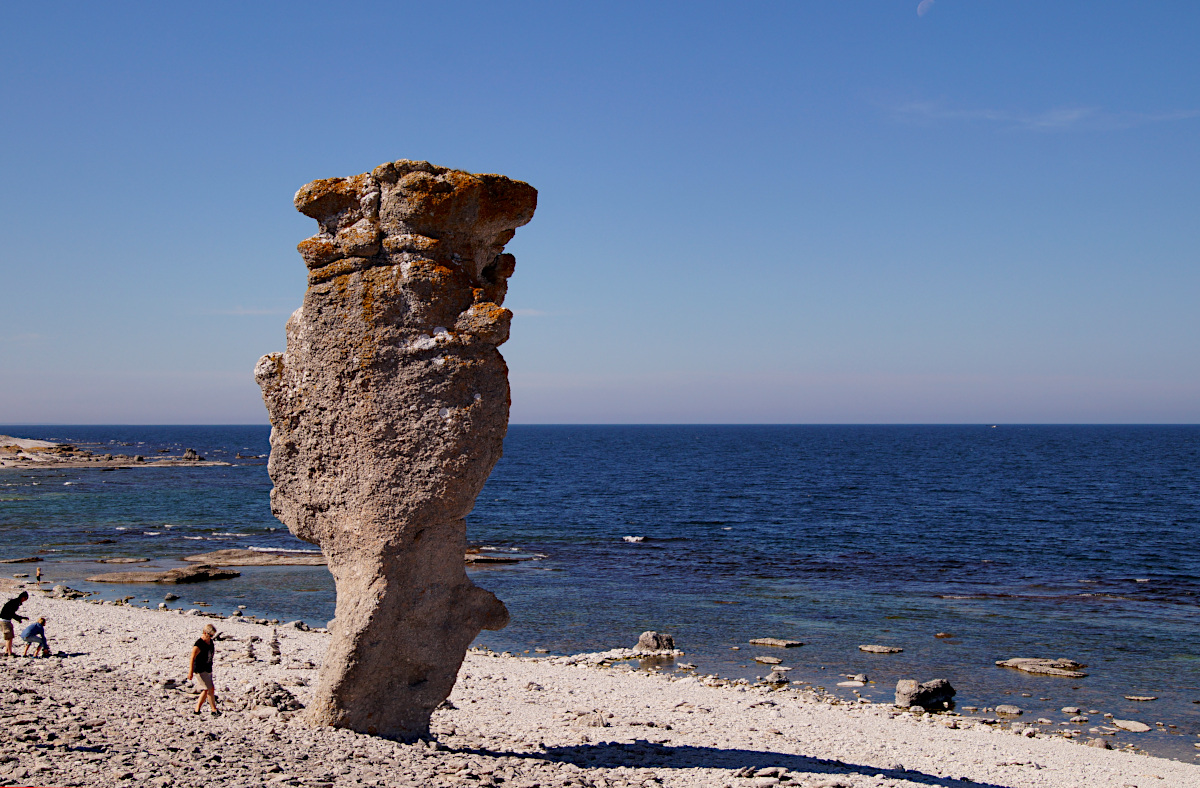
{"x":796,"y":212}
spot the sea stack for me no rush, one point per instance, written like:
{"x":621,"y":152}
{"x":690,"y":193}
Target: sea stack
{"x":388,"y":410}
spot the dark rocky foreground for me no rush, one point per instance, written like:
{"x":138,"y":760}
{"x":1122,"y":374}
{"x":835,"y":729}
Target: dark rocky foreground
{"x":72,"y":725}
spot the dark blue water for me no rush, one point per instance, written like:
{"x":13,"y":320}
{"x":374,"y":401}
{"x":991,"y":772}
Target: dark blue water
{"x":1040,"y":541}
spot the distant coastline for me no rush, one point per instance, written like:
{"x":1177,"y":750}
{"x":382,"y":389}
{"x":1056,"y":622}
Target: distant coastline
{"x":29,"y":453}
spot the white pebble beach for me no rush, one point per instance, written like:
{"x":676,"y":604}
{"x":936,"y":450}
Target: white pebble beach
{"x":106,"y":714}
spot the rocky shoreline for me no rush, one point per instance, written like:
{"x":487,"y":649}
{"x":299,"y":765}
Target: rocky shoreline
{"x":28,"y":453}
{"x":112,"y":710}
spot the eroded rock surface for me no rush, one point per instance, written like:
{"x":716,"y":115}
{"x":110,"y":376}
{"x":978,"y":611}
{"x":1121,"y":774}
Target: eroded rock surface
{"x":389,"y":409}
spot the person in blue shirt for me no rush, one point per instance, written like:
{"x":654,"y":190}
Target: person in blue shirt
{"x":36,"y":633}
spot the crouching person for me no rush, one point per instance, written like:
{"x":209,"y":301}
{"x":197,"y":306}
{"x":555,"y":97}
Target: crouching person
{"x":33,"y":634}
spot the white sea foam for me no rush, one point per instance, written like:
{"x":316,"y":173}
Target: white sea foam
{"x":634,"y":538}
{"x":283,"y":550}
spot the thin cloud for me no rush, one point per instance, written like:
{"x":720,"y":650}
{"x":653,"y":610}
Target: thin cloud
{"x":1058,"y":119}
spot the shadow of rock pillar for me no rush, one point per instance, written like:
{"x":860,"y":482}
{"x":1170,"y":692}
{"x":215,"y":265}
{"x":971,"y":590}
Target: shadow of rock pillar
{"x":388,"y":411}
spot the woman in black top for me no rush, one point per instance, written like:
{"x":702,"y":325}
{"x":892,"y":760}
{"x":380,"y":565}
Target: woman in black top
{"x":201,"y":667}
{"x":8,"y":614}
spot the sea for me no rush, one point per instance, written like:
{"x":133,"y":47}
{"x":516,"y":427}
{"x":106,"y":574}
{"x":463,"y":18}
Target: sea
{"x":961,"y":545}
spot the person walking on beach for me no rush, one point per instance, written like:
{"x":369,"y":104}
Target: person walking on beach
{"x":36,"y":633}
{"x":201,"y":667}
{"x":8,"y":614}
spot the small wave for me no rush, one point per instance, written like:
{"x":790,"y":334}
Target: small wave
{"x":151,"y":533}
{"x":229,"y":534}
{"x":67,"y":483}
{"x":122,"y":528}
{"x":283,"y":550}
{"x":633,"y":539}
{"x":195,"y":538}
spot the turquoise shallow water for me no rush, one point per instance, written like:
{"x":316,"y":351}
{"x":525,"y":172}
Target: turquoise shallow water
{"x":1019,"y":541}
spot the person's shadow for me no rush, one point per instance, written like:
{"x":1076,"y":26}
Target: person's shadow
{"x":645,"y":755}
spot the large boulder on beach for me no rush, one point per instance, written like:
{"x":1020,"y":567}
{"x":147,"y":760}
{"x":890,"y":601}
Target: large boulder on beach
{"x":388,"y":410}
{"x":654,"y":641}
{"x":927,"y":695}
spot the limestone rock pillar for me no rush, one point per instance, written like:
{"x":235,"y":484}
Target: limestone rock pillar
{"x":388,"y":410}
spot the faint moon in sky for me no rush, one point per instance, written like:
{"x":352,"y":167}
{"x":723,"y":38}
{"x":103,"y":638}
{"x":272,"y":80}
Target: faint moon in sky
{"x":923,"y":7}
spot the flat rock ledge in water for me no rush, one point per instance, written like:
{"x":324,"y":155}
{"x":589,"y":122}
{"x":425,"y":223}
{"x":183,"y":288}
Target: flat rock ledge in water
{"x":1045,"y":667}
{"x":187,"y":574}
{"x":388,"y":411}
{"x":880,"y":649}
{"x":235,"y":557}
{"x":776,"y":642}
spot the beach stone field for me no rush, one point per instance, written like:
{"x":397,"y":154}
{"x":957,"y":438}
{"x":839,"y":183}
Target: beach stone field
{"x":112,"y":709}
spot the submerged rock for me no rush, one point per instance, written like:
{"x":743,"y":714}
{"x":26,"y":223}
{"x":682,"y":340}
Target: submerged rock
{"x":388,"y":411}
